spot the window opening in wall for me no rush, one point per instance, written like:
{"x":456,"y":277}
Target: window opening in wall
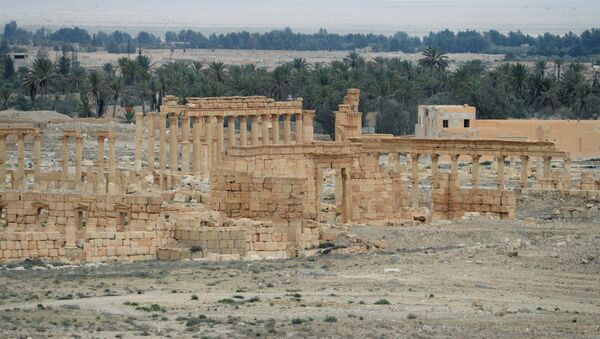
{"x":82,"y":217}
{"x":42,"y":217}
{"x":3,"y":222}
{"x":122,"y":220}
{"x":467,"y":123}
{"x":445,"y":123}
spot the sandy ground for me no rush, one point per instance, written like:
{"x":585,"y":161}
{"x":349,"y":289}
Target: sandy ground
{"x":446,"y":279}
{"x":261,"y":58}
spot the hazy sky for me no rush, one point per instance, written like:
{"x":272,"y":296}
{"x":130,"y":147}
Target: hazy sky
{"x":380,"y":16}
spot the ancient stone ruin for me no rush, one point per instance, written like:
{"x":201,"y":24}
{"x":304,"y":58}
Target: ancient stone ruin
{"x":266,"y":179}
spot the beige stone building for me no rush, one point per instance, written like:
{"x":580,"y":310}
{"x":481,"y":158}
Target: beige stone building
{"x":581,"y":138}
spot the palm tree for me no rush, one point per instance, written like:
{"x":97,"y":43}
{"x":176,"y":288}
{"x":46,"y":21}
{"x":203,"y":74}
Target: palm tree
{"x":281,"y":82}
{"x":217,"y":71}
{"x":128,"y":69}
{"x":77,"y":79}
{"x":116,"y":88}
{"x":434,"y":59}
{"x":354,"y":60}
{"x":299,"y":64}
{"x":6,"y":93}
{"x":519,"y":73}
{"x":41,"y":75}
{"x":97,"y":88}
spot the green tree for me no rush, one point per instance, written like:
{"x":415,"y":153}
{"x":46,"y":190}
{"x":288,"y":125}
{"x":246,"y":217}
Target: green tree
{"x":434,"y":59}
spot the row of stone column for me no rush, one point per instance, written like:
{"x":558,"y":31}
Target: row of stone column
{"x":97,"y":180}
{"x":204,"y":142}
{"x":20,"y":179}
{"x":543,"y":172}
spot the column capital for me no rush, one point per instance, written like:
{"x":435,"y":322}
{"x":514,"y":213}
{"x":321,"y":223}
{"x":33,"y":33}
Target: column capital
{"x":524,"y":157}
{"x":415,"y":156}
{"x":139,"y":114}
{"x":309,"y":112}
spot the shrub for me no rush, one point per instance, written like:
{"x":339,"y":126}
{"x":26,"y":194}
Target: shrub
{"x":330,"y":319}
{"x":194,"y":297}
{"x":382,"y":302}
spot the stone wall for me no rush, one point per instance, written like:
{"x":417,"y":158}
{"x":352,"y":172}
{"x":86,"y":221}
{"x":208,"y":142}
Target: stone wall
{"x":81,"y":226}
{"x":377,"y":193}
{"x":451,"y":202}
{"x":243,"y":195}
{"x":208,"y":233}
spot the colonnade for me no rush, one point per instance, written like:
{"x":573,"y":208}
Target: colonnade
{"x":20,"y":180}
{"x":197,"y":141}
{"x":543,"y":171}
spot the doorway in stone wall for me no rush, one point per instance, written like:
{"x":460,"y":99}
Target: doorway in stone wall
{"x":327,"y":201}
{"x":333,"y":196}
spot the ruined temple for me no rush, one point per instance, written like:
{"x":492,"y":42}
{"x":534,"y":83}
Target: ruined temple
{"x":265,"y":172}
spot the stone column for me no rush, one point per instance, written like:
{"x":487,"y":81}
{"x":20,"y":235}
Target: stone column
{"x":2,"y":161}
{"x":500,"y":181}
{"x":37,"y":154}
{"x":208,"y":125}
{"x":415,"y":180}
{"x":162,"y":144}
{"x":339,"y":190}
{"x":197,"y":147}
{"x":138,"y":140}
{"x":567,"y":174}
{"x":185,"y":144}
{"x":547,"y":167}
{"x":112,"y":166}
{"x":510,"y":171}
{"x":434,"y":167}
{"x":454,"y":177}
{"x":243,"y":131}
{"x":299,"y":129}
{"x":264,"y":121}
{"x":475,"y":171}
{"x":22,"y":179}
{"x":307,"y":123}
{"x":173,"y":151}
{"x":78,"y":157}
{"x":524,"y":170}
{"x":393,"y":162}
{"x":287,"y":129}
{"x":230,"y":131}
{"x":540,"y":169}
{"x":254,"y":129}
{"x":150,"y":145}
{"x":220,"y":139}
{"x":275,"y":128}
{"x":65,"y":160}
{"x":100,"y":177}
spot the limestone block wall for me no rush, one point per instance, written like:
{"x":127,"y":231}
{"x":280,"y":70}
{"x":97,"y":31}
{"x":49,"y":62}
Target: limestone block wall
{"x":377,"y":193}
{"x":82,"y":226}
{"x":134,"y":245}
{"x":451,"y":202}
{"x":245,"y":237}
{"x":19,"y":245}
{"x":244,"y":195}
